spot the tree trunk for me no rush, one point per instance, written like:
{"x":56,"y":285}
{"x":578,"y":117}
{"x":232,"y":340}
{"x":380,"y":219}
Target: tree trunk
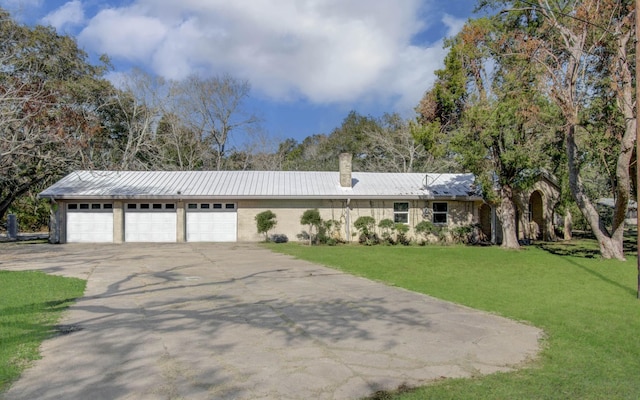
{"x":507,"y":215}
{"x":611,"y":246}
{"x":568,"y":226}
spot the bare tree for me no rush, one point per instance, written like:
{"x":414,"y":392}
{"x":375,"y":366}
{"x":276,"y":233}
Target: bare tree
{"x":212,"y":108}
{"x":393,"y":147}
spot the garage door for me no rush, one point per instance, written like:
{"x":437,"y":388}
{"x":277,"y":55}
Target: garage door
{"x":212,"y":222}
{"x":150,"y":222}
{"x":90,"y":223}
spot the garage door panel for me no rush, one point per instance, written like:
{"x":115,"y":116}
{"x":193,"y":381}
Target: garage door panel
{"x":89,"y":227}
{"x":150,"y":227}
{"x":211,"y":226}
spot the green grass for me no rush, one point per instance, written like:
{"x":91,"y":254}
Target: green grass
{"x":586,"y":306}
{"x":31,"y":303}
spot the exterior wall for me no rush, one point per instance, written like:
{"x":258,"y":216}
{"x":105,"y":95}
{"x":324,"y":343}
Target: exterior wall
{"x":118,"y":222}
{"x":550,"y":195}
{"x":288,"y":213}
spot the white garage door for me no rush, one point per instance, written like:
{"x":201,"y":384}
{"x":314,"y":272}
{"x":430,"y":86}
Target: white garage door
{"x":212,"y":222}
{"x":89,"y":223}
{"x":150,"y":222}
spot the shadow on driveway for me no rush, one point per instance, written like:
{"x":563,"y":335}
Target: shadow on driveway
{"x":204,"y":321}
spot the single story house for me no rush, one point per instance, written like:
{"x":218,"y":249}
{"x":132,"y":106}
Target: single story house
{"x":220,"y":206}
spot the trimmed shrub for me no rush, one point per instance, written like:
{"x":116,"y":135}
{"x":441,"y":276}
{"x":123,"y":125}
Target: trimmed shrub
{"x":365,"y":226}
{"x":312,"y":219}
{"x":265,"y":221}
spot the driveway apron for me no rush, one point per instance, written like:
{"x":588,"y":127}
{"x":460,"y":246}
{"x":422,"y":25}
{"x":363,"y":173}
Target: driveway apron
{"x":236,"y":321}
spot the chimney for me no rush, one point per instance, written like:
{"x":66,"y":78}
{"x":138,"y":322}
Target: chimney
{"x":345,"y":170}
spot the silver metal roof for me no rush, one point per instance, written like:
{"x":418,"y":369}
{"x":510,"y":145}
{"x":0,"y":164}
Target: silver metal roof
{"x":259,"y":185}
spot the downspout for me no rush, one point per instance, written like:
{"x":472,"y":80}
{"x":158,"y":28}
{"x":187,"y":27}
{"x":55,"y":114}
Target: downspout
{"x":348,"y":221}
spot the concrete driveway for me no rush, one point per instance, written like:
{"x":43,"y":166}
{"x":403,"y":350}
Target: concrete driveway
{"x":235,"y":321}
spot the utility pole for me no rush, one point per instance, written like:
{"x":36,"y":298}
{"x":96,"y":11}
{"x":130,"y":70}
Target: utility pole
{"x":638,"y":136}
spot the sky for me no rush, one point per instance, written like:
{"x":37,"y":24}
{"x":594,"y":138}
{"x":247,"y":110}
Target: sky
{"x":309,"y":62}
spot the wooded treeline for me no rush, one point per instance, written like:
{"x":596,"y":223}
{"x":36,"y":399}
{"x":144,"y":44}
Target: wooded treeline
{"x":530,"y":87}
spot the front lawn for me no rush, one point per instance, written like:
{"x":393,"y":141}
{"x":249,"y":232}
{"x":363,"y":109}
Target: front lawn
{"x":587,"y":307}
{"x":30,"y":305}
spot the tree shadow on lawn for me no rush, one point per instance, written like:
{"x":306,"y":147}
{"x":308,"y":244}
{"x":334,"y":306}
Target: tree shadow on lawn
{"x":584,"y":245}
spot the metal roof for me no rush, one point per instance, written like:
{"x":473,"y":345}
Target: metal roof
{"x":259,"y":185}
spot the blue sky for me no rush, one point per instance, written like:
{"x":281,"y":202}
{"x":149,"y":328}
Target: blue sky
{"x":309,"y":62}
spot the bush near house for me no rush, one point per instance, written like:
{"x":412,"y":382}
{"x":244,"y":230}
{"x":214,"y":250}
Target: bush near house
{"x":312,"y":219}
{"x":265,"y":221}
{"x":365,"y":225}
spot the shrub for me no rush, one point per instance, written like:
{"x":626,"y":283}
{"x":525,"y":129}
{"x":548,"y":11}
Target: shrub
{"x":401,"y":236}
{"x":365,"y":226}
{"x":312,"y":219}
{"x":279,"y":238}
{"x":387,"y":227}
{"x":462,"y":234}
{"x":329,"y":232}
{"x":425,"y":229}
{"x":265,"y":221}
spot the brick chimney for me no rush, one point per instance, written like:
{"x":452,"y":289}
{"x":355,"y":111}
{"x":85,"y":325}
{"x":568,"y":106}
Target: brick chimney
{"x":345,"y":170}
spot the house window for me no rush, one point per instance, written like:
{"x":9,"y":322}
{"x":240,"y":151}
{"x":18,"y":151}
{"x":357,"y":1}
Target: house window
{"x":230,"y":206}
{"x":217,"y":205}
{"x":440,"y":212}
{"x":157,"y":206}
{"x":192,"y":206}
{"x":401,"y":212}
{"x":205,"y":205}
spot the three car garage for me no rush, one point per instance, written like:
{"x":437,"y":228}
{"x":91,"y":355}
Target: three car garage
{"x":156,"y":222}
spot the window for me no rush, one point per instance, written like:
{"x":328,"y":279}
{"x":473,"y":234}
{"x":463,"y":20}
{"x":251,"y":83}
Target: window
{"x":107,"y":206}
{"x":73,"y":206}
{"x":95,"y":206}
{"x":401,"y":212}
{"x":217,"y":205}
{"x":84,"y":206}
{"x":192,"y":206}
{"x":169,"y":206}
{"x":205,"y":205}
{"x":157,"y":206}
{"x":132,"y":206}
{"x":440,"y":212}
{"x":229,"y":206}
{"x":144,"y":206}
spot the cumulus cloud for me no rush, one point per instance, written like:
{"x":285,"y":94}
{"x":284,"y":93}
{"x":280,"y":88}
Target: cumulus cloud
{"x":327,"y":51}
{"x":70,"y":14}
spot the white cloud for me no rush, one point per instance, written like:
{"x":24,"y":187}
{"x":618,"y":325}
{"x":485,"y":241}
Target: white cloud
{"x":70,"y":14}
{"x":126,"y":34}
{"x":328,"y":51}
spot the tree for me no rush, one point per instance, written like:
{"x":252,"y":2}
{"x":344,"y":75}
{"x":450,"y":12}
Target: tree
{"x":49,"y":96}
{"x":585,"y":51}
{"x":312,"y":219}
{"x":131,"y":120}
{"x":265,"y":221}
{"x":494,"y":121}
{"x":212,"y":108}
